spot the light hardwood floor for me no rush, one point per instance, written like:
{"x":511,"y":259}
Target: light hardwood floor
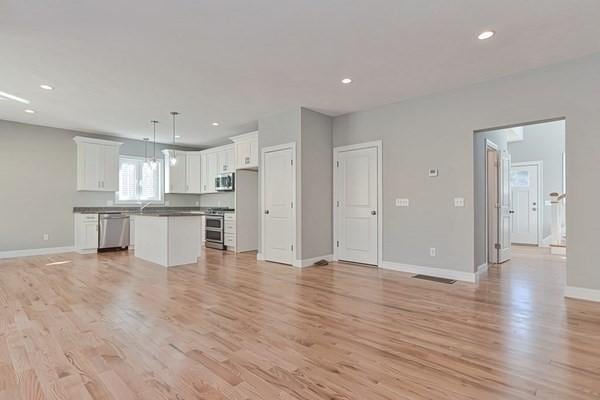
{"x":114,"y":327}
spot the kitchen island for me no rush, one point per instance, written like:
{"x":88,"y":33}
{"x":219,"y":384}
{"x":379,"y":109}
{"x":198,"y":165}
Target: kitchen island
{"x":168,"y":239}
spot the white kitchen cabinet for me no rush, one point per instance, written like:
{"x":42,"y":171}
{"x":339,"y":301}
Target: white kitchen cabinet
{"x":97,"y":164}
{"x":226,"y":159}
{"x":246,"y":150}
{"x":86,"y":232}
{"x":131,"y":231}
{"x":193,"y":176}
{"x":175,"y":174}
{"x":209,"y":168}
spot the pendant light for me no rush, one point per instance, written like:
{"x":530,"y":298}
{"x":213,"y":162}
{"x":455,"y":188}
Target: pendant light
{"x":153,"y":163}
{"x":173,"y":159}
{"x":146,"y":150}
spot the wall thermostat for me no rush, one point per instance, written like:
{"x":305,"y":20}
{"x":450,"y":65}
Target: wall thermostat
{"x":433,"y":172}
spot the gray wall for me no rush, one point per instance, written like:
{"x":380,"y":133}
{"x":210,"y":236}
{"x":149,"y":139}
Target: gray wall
{"x":479,"y":171}
{"x":437,"y":131}
{"x":317,"y":192}
{"x":546,"y":143}
{"x":273,"y":130}
{"x":312,"y":133}
{"x":38,"y":183}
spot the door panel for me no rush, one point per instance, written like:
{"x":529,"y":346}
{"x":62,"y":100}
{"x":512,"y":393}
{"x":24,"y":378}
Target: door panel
{"x":504,"y":240}
{"x":357,"y":205}
{"x":524,"y":188}
{"x":278,"y":192}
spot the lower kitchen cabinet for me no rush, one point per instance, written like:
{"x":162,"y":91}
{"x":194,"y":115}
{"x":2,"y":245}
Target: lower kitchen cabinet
{"x":86,"y":233}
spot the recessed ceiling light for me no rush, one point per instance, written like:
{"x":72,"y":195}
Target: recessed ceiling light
{"x":13,"y":97}
{"x":29,"y":111}
{"x":486,"y":35}
{"x":215,"y":124}
{"x":346,"y":81}
{"x":47,"y":87}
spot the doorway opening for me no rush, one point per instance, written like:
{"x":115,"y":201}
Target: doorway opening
{"x":520,"y":191}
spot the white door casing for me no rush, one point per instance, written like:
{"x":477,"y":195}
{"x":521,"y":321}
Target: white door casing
{"x":525,"y":189}
{"x":278,"y":203}
{"x":357,"y":217}
{"x":504,"y":240}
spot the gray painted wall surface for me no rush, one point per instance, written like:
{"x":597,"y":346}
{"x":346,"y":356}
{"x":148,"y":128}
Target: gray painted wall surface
{"x":38,"y":177}
{"x":273,"y":130}
{"x":312,"y":133}
{"x":317,"y":178}
{"x":437,"y":131}
{"x":546,"y":143}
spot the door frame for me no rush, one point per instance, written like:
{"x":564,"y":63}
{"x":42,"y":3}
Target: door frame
{"x":360,"y":146}
{"x":540,"y":186}
{"x":263,"y":152}
{"x":490,"y":146}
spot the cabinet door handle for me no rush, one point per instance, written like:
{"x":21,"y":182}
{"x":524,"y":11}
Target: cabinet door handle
{"x":247,"y":160}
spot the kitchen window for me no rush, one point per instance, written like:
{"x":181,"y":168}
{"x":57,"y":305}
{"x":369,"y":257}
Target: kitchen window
{"x":139,"y":182}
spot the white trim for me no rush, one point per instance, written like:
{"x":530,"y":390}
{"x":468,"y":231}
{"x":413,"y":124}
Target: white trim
{"x":494,"y":147}
{"x":260,"y":257}
{"x":540,"y":202}
{"x":35,"y":252}
{"x":378,"y":144}
{"x":582,"y":293}
{"x":84,"y":139}
{"x":263,"y":151}
{"x":307,"y":262}
{"x":431,"y":271}
{"x":482,"y":268}
{"x":558,"y":250}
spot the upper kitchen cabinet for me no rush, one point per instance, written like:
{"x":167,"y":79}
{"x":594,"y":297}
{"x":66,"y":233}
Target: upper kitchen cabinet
{"x":246,"y":150}
{"x":175,"y":171}
{"x":97,"y":164}
{"x":209,"y":170}
{"x":193,"y":172}
{"x":225,"y":159}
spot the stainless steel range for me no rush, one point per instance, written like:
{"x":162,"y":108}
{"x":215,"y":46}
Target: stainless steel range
{"x":215,"y":228}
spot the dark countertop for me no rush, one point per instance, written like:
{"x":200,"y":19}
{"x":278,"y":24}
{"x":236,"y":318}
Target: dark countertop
{"x":149,"y":211}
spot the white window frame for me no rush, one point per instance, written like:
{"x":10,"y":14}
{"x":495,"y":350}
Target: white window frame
{"x":161,"y":183}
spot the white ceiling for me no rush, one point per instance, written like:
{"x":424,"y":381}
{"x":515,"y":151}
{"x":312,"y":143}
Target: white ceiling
{"x":118,"y":64}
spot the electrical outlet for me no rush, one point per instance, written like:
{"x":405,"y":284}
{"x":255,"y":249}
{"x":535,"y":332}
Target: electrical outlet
{"x":402,"y":202}
{"x":432,"y":251}
{"x":46,"y":236}
{"x":433,"y":172}
{"x":167,"y":203}
{"x":459,"y":202}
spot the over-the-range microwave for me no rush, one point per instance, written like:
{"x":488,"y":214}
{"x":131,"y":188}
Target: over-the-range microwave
{"x":225,"y":182}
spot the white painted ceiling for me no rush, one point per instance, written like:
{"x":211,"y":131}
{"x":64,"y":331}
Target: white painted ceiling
{"x":118,"y":64}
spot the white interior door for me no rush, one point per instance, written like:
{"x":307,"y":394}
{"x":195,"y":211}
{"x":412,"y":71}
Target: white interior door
{"x":278,"y":203}
{"x":356,"y":204}
{"x":525,"y":195}
{"x":504,"y":217}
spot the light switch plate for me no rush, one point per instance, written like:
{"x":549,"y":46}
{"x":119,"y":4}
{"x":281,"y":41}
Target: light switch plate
{"x":459,"y":202}
{"x":402,"y":202}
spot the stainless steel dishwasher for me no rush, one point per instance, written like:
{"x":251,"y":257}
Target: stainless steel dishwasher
{"x":114,"y":231}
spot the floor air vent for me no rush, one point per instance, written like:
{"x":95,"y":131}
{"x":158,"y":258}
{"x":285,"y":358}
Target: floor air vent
{"x":435,"y":279}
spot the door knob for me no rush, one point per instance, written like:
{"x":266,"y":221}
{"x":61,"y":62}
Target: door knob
{"x":512,"y":211}
{"x":266,"y":212}
{"x":373,"y":212}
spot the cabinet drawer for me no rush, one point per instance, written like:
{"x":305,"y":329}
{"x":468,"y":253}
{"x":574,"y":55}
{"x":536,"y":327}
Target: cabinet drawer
{"x":229,"y":240}
{"x":229,"y":217}
{"x":90,"y":218}
{"x":229,"y":227}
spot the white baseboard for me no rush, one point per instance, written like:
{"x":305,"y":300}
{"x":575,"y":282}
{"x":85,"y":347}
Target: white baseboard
{"x":582,"y":293}
{"x":437,"y":272}
{"x":482,"y":268}
{"x":35,"y":252}
{"x":560,"y":251}
{"x":260,"y":257}
{"x":307,"y":262}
